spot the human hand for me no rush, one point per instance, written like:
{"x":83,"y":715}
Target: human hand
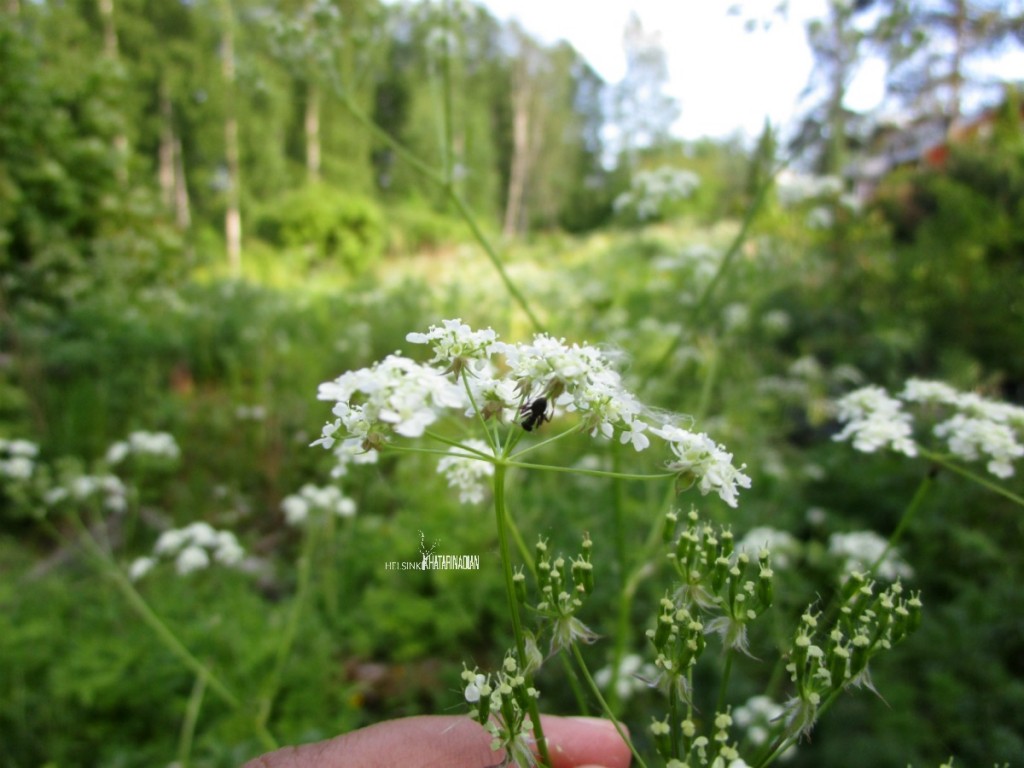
{"x":435,"y":741}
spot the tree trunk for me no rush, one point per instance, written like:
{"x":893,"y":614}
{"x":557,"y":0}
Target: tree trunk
{"x":110,"y":51}
{"x":312,"y":123}
{"x":165,"y":154}
{"x":233,"y":215}
{"x":182,"y":207}
{"x":956,"y":75}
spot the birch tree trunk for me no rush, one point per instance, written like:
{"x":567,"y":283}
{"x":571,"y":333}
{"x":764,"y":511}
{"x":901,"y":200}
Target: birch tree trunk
{"x":312,"y":124}
{"x":233,"y":215}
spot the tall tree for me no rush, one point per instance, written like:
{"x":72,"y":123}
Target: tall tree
{"x":835,"y":42}
{"x":233,"y":213}
{"x":643,"y":113}
{"x":931,"y":45}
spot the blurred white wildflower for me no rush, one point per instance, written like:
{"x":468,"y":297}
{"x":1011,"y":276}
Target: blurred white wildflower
{"x":192,"y":548}
{"x":977,"y":428}
{"x":467,"y":472}
{"x":250,"y":412}
{"x":650,"y":191}
{"x":860,"y":550}
{"x":970,"y":438}
{"x":735,"y":316}
{"x":875,"y":420}
{"x":757,"y":718}
{"x":635,"y":675}
{"x":310,"y":498}
{"x":140,"y":443}
{"x":17,"y":458}
{"x":796,"y":187}
{"x":109,"y":489}
{"x":776,"y":321}
{"x":782,"y":545}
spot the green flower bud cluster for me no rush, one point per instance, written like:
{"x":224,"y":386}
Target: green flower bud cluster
{"x":825,"y":660}
{"x":727,"y":587}
{"x":694,"y":749}
{"x":562,"y":585}
{"x":721,"y":591}
{"x":501,"y":704}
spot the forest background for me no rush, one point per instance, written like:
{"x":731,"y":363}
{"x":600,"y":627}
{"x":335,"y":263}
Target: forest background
{"x":208,"y":208}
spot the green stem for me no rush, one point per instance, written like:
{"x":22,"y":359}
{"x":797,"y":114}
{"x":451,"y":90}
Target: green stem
{"x":501,"y":520}
{"x":589,"y":472}
{"x":582,"y":665}
{"x":440,"y":181}
{"x":905,"y":518}
{"x":726,"y":672}
{"x":730,"y":256}
{"x":984,"y":482}
{"x":188,"y":726}
{"x":273,"y":683}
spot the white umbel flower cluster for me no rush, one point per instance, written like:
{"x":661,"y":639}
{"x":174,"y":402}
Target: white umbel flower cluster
{"x":466,"y":472}
{"x":141,"y":443}
{"x":875,"y":420}
{"x":192,"y":548}
{"x":474,"y":373}
{"x":329,"y":499}
{"x":972,"y":427}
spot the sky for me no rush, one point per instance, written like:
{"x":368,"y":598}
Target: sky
{"x":727,"y":81}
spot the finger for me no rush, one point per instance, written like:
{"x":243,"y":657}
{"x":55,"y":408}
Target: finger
{"x":450,"y":742}
{"x":575,"y":742}
{"x":428,"y":741}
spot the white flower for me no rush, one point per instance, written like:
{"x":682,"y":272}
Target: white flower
{"x":756,"y":718}
{"x":875,"y":420}
{"x":192,"y":548}
{"x":634,"y":676}
{"x":295,"y":508}
{"x":475,"y":688}
{"x":456,"y":344}
{"x":310,"y":498}
{"x":191,"y":558}
{"x":861,"y":549}
{"x":780,"y":544}
{"x":969,"y":438}
{"x":140,"y":567}
{"x":17,"y":467}
{"x":157,"y":444}
{"x":710,"y":464}
{"x":921,"y":391}
{"x":395,"y":395}
{"x":466,"y":472}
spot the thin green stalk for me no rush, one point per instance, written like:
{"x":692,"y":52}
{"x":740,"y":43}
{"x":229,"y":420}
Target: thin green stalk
{"x":905,"y":518}
{"x":589,"y":472}
{"x":546,"y":441}
{"x":501,"y":520}
{"x":727,"y":260}
{"x":440,"y":181}
{"x":723,"y":687}
{"x":984,"y":482}
{"x":188,"y":726}
{"x":273,"y":682}
{"x":582,"y":666}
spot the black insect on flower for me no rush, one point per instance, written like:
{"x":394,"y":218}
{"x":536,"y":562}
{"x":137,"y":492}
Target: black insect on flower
{"x":534,"y":414}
